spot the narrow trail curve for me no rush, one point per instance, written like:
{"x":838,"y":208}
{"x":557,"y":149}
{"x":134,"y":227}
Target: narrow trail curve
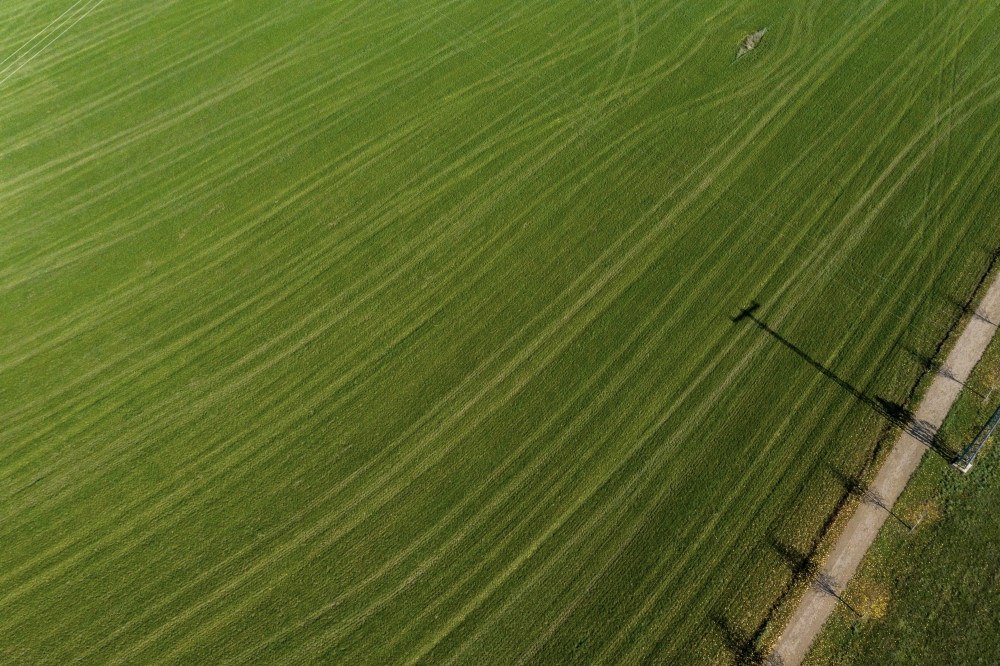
{"x":816,"y":604}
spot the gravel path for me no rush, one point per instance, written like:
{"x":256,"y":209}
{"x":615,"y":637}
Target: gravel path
{"x":817,"y":604}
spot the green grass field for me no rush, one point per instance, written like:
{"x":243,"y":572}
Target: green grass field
{"x":936,"y":584}
{"x":375,"y":332}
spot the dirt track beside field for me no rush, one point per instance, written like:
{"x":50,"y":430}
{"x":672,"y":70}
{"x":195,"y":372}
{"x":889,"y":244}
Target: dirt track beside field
{"x":818,"y":603}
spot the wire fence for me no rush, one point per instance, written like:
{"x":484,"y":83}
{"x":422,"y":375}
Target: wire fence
{"x":968,"y":457}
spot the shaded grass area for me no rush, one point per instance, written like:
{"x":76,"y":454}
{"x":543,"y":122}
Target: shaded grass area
{"x":928,"y":595}
{"x":376,"y":332}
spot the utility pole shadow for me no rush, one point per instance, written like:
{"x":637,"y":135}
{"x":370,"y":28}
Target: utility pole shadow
{"x":922,"y":431}
{"x":895,"y":413}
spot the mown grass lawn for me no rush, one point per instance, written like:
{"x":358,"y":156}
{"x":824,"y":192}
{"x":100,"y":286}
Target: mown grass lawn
{"x":382,"y":332}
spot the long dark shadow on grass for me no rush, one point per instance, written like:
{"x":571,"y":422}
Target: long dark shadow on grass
{"x":898,"y":415}
{"x":747,"y":647}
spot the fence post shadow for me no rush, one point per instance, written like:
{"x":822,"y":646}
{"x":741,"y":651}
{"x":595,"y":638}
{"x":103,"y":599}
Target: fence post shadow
{"x":740,"y":644}
{"x":801,"y":564}
{"x":856,"y":487}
